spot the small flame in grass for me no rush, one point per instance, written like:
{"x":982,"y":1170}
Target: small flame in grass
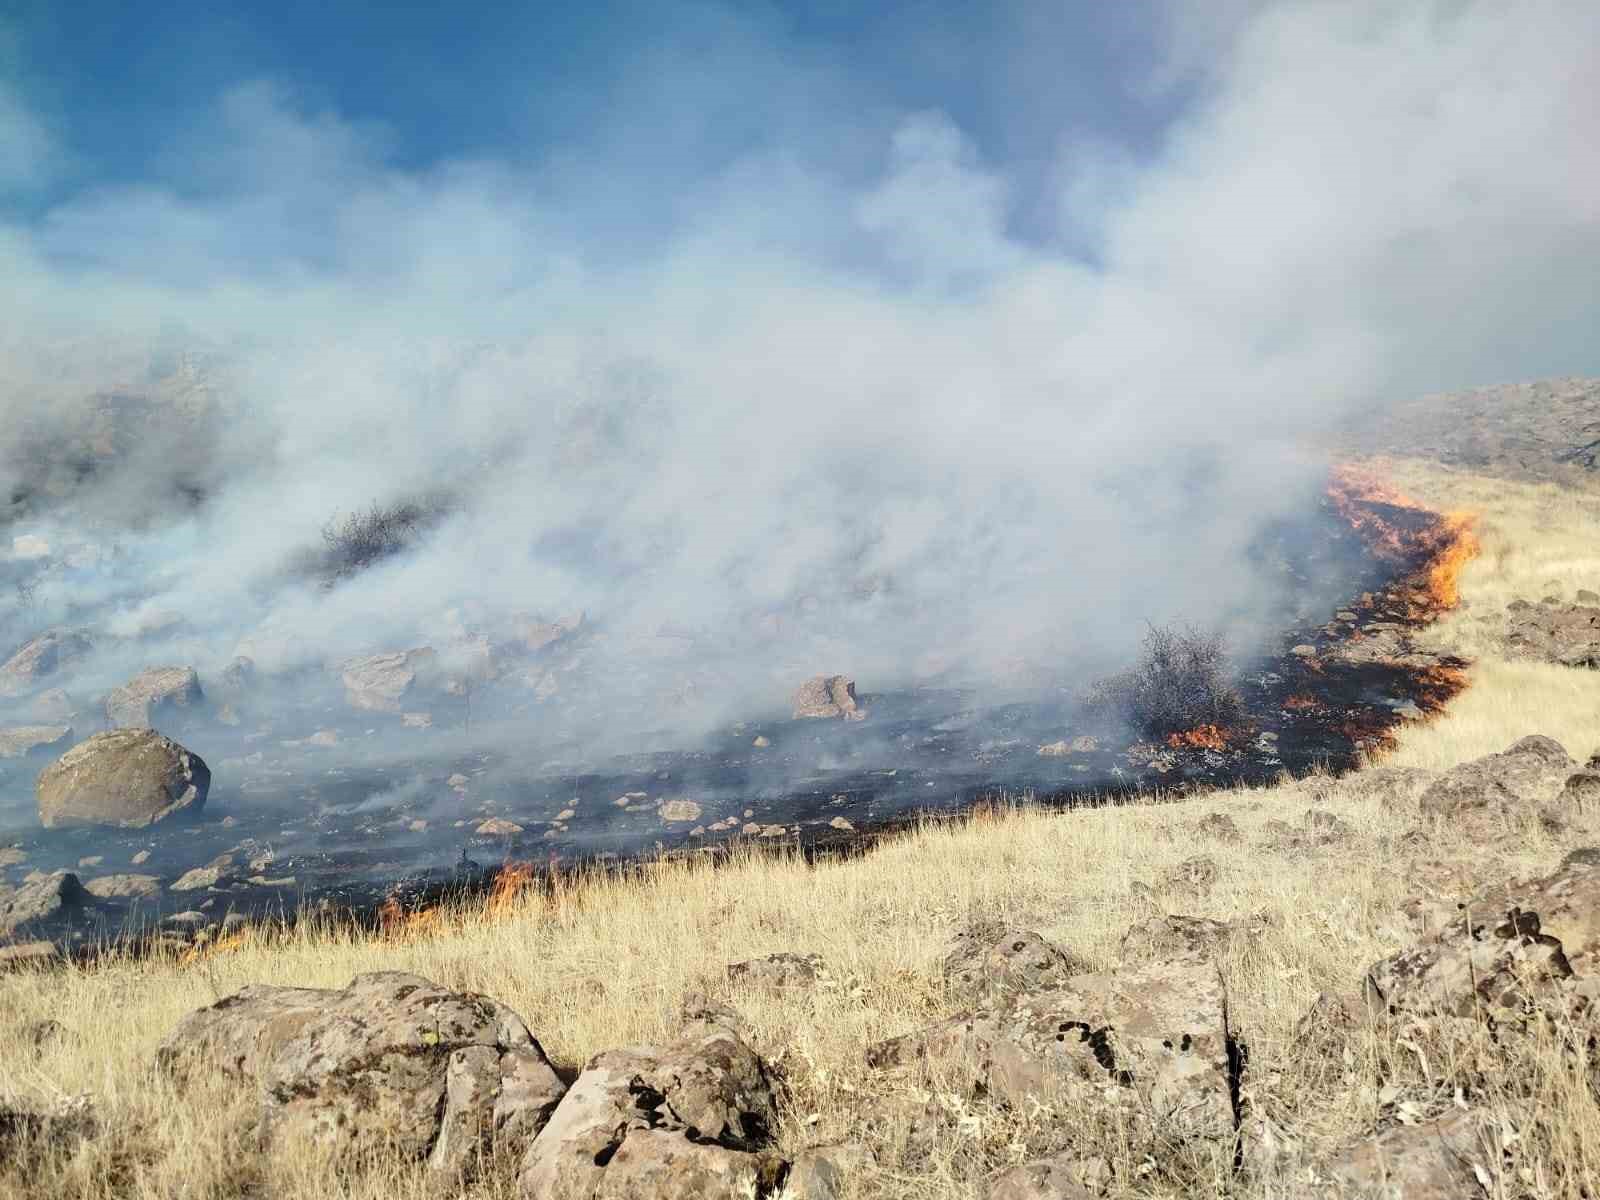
{"x":397,"y":924}
{"x":225,"y":944}
{"x":509,"y":883}
{"x":1402,"y":530}
{"x":1203,"y":737}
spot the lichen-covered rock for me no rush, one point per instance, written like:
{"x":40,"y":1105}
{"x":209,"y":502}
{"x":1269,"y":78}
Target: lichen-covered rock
{"x":777,"y":972}
{"x":1155,"y":1036}
{"x":992,"y":964}
{"x":157,"y":695}
{"x":18,"y":741}
{"x":1537,"y":940}
{"x":1061,"y":1177}
{"x":823,"y":1172}
{"x":825,"y":696}
{"x":128,"y":778}
{"x":41,"y":657}
{"x":1485,"y":796}
{"x":390,"y":1060}
{"x":694,"y":1118}
{"x":1433,"y":1160}
{"x":388,"y":682}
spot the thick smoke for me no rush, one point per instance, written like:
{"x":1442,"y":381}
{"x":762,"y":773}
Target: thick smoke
{"x":813,"y":416}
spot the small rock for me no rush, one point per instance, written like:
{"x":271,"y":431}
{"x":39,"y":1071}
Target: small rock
{"x":842,"y":824}
{"x":761,"y":742}
{"x":416,"y":720}
{"x":498,"y":827}
{"x":680,"y":810}
{"x":994,"y":963}
{"x":158,"y":694}
{"x":140,"y":858}
{"x":827,"y":696}
{"x":1220,"y":826}
{"x":1059,"y":749}
{"x":822,"y":1173}
{"x":123,"y":887}
{"x":18,"y":741}
{"x":1062,"y":1177}
{"x":778,"y":972}
{"x":1304,"y":650}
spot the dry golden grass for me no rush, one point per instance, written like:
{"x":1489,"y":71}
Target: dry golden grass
{"x":606,"y":962}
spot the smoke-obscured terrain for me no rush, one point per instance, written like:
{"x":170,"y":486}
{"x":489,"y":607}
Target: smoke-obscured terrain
{"x":862,"y":396}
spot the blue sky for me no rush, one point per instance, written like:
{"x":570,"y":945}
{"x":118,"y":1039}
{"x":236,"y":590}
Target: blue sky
{"x":665,"y":90}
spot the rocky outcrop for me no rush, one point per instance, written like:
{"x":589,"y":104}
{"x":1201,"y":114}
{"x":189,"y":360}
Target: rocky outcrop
{"x":128,"y":778}
{"x":41,"y":657}
{"x":1566,"y":634}
{"x":993,"y":964}
{"x":154,"y":696}
{"x":694,"y":1118}
{"x":19,"y":741}
{"x":42,"y":904}
{"x":1431,"y":1160}
{"x":388,"y":682}
{"x":1154,"y":1040}
{"x":1483,"y":797}
{"x":826,"y":696}
{"x":391,"y":1060}
{"x":1514,"y":945}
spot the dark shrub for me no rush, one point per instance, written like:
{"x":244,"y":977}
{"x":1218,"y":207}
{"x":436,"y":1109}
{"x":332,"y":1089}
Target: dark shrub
{"x":355,"y":542}
{"x":1179,"y":683}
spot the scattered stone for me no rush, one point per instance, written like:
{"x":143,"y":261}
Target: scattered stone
{"x":1304,"y":650}
{"x":1059,"y":749}
{"x":382,"y":682}
{"x":390,"y":1060}
{"x":1565,"y":634}
{"x":777,"y":972}
{"x":18,"y":741}
{"x":1516,"y":944}
{"x":123,"y":887}
{"x":41,"y":656}
{"x":992,"y":964}
{"x":1485,"y":796}
{"x":197,"y":878}
{"x":1062,"y":1177}
{"x":142,"y":857}
{"x":416,"y":720}
{"x":842,"y":824}
{"x":680,"y":810}
{"x":1177,"y":936}
{"x":128,"y":778}
{"x":91,"y":860}
{"x":159,"y":694}
{"x":1220,"y":826}
{"x":1434,"y":1160}
{"x":1154,"y":1038}
{"x":695,"y":1118}
{"x":761,"y":742}
{"x":12,"y":856}
{"x":826,"y":696}
{"x":457,"y":782}
{"x":821,"y":1173}
{"x":40,"y":902}
{"x":1196,"y":874}
{"x":498,"y":827}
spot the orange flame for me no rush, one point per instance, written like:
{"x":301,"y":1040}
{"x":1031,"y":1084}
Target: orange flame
{"x":1438,"y":544}
{"x":509,"y":883}
{"x":1204,"y":737}
{"x":225,"y":944}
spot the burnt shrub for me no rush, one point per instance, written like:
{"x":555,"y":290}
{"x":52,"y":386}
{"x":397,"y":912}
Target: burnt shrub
{"x":1179,"y":683}
{"x":357,"y":541}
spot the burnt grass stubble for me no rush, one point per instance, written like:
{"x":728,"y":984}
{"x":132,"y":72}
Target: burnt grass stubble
{"x":949,"y":762}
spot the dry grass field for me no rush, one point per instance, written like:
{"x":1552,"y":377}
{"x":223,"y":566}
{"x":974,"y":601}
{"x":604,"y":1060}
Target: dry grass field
{"x":606,"y":962}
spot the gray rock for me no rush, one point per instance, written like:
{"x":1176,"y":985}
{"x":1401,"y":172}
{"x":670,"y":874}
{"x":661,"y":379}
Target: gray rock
{"x":18,"y":741}
{"x":991,"y":964}
{"x":822,"y":1172}
{"x":693,"y":1118}
{"x":196,"y":878}
{"x":777,"y":972}
{"x":129,"y":778}
{"x":36,"y":904}
{"x":1154,"y":1038}
{"x":41,"y":657}
{"x":1433,"y":1160}
{"x":123,"y":887}
{"x":159,"y":694}
{"x":1061,"y":1177}
{"x":1484,"y":796}
{"x":826,"y":696}
{"x":390,"y":1060}
{"x":388,"y":682}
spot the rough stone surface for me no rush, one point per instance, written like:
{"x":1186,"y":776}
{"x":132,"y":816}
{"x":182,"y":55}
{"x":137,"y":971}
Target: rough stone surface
{"x":1534,"y":940}
{"x":18,"y":741}
{"x":127,"y":778}
{"x":123,"y":887}
{"x":1154,"y":1038}
{"x":1062,"y":1177}
{"x":993,"y":964}
{"x":1432,"y":1160}
{"x":693,"y":1118}
{"x":391,"y":1059}
{"x":823,"y":1172}
{"x":155,"y":696}
{"x":387,"y":682}
{"x":1484,"y":796}
{"x":777,"y":972}
{"x":41,"y":657}
{"x":1565,"y":634}
{"x":39,"y":903}
{"x":827,"y":696}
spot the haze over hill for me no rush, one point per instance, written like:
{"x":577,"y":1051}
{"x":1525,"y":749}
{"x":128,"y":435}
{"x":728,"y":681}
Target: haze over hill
{"x":869,"y":373}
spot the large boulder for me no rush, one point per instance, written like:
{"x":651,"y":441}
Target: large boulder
{"x":825,"y":696}
{"x":387,"y":682}
{"x":40,"y":657}
{"x":1485,"y":796}
{"x":1155,"y":1038}
{"x":18,"y":741}
{"x":694,"y":1118}
{"x":157,"y":694}
{"x":128,"y":778}
{"x":1511,"y":944}
{"x":390,"y":1060}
